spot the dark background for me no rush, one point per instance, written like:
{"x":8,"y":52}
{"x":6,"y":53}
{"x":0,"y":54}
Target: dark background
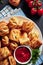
{"x":38,"y":20}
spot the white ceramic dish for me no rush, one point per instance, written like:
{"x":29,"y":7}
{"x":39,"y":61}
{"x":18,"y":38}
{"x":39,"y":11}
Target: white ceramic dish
{"x":36,"y":27}
{"x":30,"y":56}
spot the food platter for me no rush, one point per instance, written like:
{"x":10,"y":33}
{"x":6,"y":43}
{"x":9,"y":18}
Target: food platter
{"x":29,"y":20}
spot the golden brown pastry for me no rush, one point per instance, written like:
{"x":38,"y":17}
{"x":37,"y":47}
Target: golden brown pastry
{"x":15,"y":23}
{"x":1,"y":63}
{"x":35,"y":43}
{"x":3,"y":23}
{"x":13,"y":45}
{"x":12,"y":60}
{"x":14,"y":2}
{"x":3,"y":29}
{"x":14,"y":35}
{"x":33,"y":34}
{"x":5,"y":41}
{"x":27,"y":26}
{"x":4,"y":53}
{"x":4,"y":62}
{"x":23,"y":38}
{"x":0,"y":44}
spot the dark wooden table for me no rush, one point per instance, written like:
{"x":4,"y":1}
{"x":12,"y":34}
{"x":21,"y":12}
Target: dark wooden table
{"x":38,"y":20}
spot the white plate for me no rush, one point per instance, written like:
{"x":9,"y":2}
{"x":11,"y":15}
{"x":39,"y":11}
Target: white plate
{"x":36,"y":27}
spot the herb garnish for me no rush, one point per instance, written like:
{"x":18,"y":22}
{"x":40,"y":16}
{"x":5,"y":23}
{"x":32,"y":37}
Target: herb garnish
{"x":35,"y":55}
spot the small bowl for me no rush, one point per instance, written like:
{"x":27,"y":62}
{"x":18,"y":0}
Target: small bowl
{"x":18,"y":52}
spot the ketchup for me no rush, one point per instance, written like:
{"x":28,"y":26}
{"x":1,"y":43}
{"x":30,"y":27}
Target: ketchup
{"x":23,"y":54}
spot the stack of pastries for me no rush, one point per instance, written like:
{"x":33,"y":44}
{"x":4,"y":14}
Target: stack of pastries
{"x":13,"y":34}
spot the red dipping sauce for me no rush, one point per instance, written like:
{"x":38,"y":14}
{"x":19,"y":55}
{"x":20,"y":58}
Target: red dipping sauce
{"x":22,"y":54}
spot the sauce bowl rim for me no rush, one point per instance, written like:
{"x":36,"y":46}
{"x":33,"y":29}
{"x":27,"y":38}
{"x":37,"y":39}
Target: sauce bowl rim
{"x":27,"y":60}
